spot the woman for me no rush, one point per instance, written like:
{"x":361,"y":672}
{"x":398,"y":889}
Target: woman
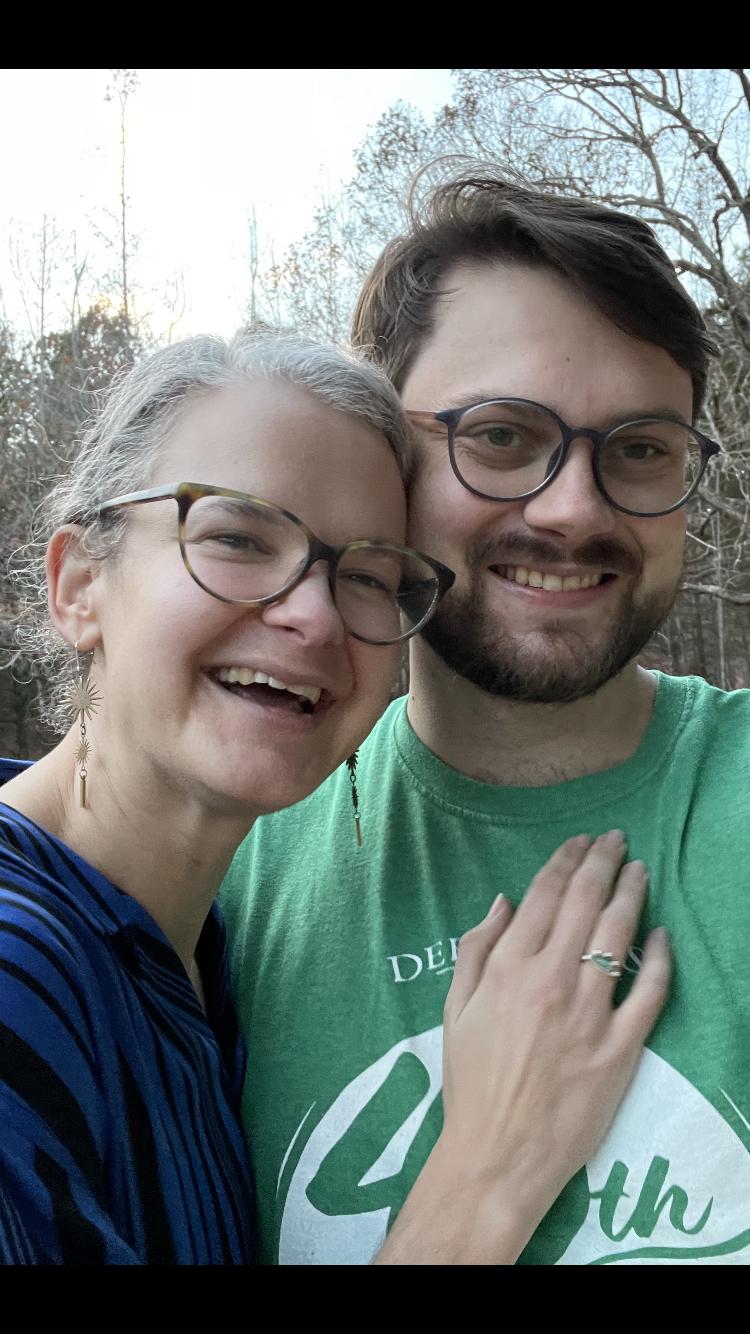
{"x":223,"y":661}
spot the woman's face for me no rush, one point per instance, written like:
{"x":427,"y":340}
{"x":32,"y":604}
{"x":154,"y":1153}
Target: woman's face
{"x":164,"y":641}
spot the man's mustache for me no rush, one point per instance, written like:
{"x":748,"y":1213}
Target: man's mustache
{"x":520,"y":549}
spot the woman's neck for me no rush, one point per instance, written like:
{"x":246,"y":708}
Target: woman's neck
{"x":168,"y":851}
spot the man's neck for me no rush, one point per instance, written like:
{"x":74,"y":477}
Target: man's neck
{"x":513,"y":744}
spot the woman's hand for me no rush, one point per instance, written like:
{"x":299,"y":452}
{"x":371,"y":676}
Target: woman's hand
{"x":536,"y":1058}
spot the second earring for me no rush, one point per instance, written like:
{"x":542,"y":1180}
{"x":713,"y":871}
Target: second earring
{"x":351,"y":765}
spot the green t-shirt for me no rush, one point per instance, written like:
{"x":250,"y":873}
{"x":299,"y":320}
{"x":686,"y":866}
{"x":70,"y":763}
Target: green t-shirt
{"x":342,"y":957}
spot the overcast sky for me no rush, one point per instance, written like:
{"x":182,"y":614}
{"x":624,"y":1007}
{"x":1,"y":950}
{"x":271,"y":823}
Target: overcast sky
{"x":204,"y":148}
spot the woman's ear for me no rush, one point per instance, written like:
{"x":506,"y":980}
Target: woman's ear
{"x":71,"y":580}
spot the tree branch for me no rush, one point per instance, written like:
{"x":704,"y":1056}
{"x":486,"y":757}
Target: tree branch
{"x":715,"y":591}
{"x":741,"y":75}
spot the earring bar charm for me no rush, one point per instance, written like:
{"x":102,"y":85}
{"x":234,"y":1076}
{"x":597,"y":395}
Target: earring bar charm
{"x":83,"y":701}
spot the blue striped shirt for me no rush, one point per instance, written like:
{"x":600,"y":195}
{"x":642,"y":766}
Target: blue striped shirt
{"x":120,"y":1139}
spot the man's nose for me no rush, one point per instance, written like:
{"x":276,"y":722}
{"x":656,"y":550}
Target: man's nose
{"x":572,"y":504}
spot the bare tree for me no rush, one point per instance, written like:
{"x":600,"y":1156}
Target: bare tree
{"x":49,"y":382}
{"x":79,"y":361}
{"x":123,"y":85}
{"x":35,"y":261}
{"x":270,"y":295}
{"x":253,"y":303}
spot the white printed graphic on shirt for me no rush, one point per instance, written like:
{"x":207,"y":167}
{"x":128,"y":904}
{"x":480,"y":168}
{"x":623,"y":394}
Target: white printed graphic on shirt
{"x":670,"y":1184}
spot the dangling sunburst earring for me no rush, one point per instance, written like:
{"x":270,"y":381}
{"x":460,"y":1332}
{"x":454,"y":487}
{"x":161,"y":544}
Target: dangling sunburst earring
{"x":351,"y":765}
{"x":83,"y":700}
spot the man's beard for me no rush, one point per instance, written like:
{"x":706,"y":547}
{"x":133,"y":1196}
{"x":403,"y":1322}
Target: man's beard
{"x":554,"y":664}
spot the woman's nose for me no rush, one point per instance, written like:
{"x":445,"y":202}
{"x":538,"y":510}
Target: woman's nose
{"x":309,"y":609}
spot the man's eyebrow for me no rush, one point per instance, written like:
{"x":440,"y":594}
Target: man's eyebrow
{"x":476,"y":397}
{"x":643,"y":414}
{"x":472,"y":399}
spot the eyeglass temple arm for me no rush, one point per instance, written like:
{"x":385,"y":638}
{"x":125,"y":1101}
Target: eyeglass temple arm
{"x":446,"y":577}
{"x":140,"y":497}
{"x":429,"y":420}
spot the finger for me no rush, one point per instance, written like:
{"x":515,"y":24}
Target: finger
{"x":590,"y":887}
{"x":633,"y":1020}
{"x":473,"y":950}
{"x":613,"y":932}
{"x":534,"y":918}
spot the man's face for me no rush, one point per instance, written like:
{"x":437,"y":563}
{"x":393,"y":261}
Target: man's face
{"x":511,"y":331}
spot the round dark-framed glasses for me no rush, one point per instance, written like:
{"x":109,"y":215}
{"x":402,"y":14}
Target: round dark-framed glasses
{"x":249,"y":551}
{"x":512,"y":448}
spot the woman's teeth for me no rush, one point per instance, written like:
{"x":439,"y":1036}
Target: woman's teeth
{"x":552,"y":583}
{"x":245,"y":676}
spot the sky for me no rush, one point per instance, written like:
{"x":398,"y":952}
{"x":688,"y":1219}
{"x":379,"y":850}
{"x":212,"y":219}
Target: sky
{"x":205,"y":149}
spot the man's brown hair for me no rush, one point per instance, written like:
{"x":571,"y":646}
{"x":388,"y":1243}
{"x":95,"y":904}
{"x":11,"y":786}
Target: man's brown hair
{"x":612,"y":258}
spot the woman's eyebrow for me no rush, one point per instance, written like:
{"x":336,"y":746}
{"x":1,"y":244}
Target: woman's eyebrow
{"x":234,"y":507}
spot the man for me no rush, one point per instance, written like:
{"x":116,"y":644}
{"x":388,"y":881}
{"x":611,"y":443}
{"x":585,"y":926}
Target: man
{"x":554,"y":366}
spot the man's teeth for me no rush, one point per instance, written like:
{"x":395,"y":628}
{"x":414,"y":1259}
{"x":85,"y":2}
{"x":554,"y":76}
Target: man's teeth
{"x":552,"y":583}
{"x":245,"y":676}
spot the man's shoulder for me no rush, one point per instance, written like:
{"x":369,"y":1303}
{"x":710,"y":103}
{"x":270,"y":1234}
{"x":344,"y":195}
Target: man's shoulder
{"x":720,"y":714}
{"x":706,"y":764}
{"x":703,"y":691}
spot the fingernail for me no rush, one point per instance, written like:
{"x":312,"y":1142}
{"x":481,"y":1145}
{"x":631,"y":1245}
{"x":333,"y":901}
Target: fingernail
{"x":614,"y":839}
{"x":496,"y":906}
{"x":583,"y":841}
{"x":639,"y":868}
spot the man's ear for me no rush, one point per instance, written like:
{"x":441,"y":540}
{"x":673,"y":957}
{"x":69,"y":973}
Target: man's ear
{"x":71,"y":588}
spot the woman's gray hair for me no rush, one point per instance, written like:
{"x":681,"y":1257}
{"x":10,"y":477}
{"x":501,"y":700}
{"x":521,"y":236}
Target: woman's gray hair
{"x":121,"y":447}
